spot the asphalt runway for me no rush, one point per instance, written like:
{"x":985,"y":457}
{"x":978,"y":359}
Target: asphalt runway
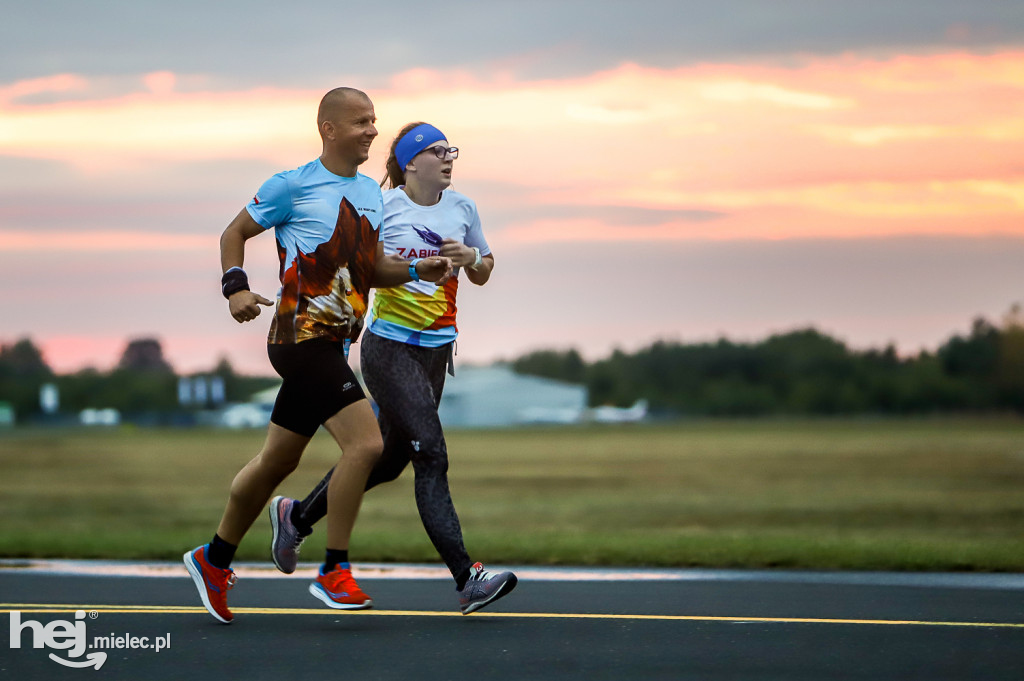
{"x":557,"y":624}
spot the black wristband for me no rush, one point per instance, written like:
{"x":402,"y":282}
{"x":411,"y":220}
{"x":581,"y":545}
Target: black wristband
{"x":233,"y":281}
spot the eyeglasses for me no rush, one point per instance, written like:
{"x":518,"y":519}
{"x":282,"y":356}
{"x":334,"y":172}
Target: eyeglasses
{"x":444,"y":153}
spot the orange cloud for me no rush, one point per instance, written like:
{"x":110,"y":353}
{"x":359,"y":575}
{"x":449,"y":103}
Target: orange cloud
{"x":891,"y":144}
{"x":157,"y":125}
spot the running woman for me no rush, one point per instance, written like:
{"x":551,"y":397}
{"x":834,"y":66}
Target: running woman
{"x":407,"y":349}
{"x":326,"y":217}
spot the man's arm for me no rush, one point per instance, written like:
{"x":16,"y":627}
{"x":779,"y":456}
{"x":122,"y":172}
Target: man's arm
{"x":393,"y":270}
{"x":244,"y":305}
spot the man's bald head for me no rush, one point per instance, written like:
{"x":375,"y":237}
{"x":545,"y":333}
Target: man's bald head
{"x":346,"y":122}
{"x":335,"y":104}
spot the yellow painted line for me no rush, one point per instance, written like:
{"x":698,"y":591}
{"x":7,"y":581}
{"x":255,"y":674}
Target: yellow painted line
{"x":58,"y":608}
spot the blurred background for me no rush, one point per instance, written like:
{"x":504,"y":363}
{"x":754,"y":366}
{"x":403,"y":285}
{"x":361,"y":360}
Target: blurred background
{"x":644,"y":171}
{"x":789,"y":209}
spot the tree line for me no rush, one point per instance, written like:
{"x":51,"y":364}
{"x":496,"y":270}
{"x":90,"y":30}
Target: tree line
{"x":801,"y":372}
{"x":143,"y":382}
{"x":804,"y":372}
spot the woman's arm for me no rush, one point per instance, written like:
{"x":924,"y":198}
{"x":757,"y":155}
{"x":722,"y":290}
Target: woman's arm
{"x":393,"y":270}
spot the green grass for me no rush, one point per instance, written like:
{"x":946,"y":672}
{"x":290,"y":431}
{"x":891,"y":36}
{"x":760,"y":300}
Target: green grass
{"x":840,"y":494}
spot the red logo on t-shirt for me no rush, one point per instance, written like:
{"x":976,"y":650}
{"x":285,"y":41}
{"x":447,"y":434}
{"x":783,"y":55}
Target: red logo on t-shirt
{"x":417,"y":253}
{"x":256,"y":200}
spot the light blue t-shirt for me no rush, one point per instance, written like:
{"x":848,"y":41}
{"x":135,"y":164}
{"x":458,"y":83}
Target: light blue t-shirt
{"x":327,"y":228}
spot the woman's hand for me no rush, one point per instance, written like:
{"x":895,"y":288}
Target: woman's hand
{"x":461,"y":254}
{"x":437,"y":269}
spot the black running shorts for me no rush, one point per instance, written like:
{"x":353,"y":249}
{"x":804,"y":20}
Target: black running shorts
{"x":318,"y":383}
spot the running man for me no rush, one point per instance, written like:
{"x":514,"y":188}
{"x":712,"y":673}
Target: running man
{"x":326,"y":218}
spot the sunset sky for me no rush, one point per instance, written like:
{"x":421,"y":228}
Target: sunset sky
{"x":643,"y":170}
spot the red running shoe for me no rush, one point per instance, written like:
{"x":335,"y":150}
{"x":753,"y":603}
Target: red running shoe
{"x":213,"y":583}
{"x":338,"y":590}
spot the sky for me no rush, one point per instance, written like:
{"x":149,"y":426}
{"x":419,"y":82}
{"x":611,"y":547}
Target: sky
{"x":679,"y":171}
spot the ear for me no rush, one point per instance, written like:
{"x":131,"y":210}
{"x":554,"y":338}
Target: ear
{"x":410,"y":167}
{"x":327,"y":130}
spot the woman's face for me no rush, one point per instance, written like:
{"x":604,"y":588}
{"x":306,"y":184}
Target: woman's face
{"x":432,"y":169}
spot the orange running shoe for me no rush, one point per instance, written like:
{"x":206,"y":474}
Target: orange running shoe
{"x":337,"y":589}
{"x":213,"y":583}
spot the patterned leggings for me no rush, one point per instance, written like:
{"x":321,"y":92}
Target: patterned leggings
{"x":406,"y":381}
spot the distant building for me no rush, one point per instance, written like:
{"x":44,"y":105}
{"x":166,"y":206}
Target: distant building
{"x":252,"y":414}
{"x":6,"y":414}
{"x":201,"y":391}
{"x":266,"y":397}
{"x":49,"y":398}
{"x":99,"y":417}
{"x":481,"y":397}
{"x":246,"y":415}
{"x":476,"y":397}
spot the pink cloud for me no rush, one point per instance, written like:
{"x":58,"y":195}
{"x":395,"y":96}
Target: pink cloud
{"x":104,"y":241}
{"x":70,"y":353}
{"x":187,"y":352}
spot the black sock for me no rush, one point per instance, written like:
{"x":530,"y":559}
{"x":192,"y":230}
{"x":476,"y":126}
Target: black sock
{"x":221,"y":553}
{"x":461,"y":579}
{"x":304,"y":528}
{"x":334,"y":557}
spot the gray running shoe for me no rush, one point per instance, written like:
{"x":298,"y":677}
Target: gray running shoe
{"x":484,"y":587}
{"x":284,"y":547}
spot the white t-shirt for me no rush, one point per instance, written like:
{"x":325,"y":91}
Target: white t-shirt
{"x":420,"y":313}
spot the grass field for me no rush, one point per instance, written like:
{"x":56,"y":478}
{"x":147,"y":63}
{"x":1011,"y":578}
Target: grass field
{"x":943,"y":494}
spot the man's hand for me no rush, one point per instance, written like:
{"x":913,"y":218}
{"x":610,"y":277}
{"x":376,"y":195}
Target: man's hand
{"x":245,"y":305}
{"x":461,"y":254}
{"x":436,"y":268}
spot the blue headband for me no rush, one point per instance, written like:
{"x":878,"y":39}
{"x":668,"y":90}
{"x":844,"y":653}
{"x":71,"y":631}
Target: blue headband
{"x":415,"y":141}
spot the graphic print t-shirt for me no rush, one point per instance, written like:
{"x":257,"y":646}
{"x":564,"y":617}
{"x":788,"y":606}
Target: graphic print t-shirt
{"x":418,"y":312}
{"x":327,"y":228}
